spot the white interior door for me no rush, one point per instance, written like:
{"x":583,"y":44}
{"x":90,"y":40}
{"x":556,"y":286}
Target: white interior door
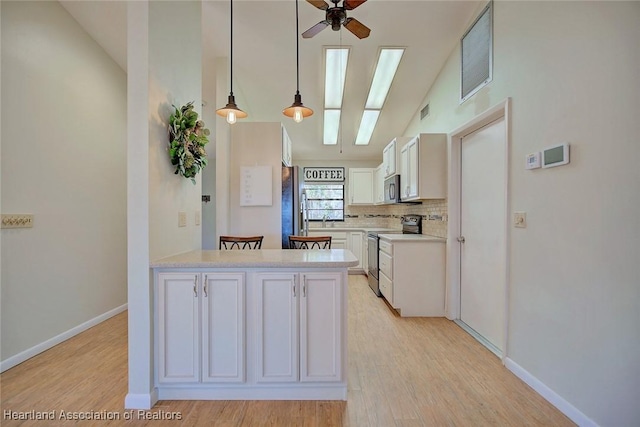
{"x":483,"y":226}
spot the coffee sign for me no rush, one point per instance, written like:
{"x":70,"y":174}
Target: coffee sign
{"x":324,"y":174}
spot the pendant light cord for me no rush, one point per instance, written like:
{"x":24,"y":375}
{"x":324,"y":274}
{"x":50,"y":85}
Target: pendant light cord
{"x":231,"y":54}
{"x":297,"y":53}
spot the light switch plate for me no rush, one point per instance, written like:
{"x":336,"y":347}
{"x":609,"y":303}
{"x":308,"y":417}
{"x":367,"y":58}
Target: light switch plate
{"x":520,"y":219}
{"x":197,"y":218}
{"x":533,"y":161}
{"x":182,"y":219}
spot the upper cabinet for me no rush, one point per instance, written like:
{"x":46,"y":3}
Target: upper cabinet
{"x":286,"y":148}
{"x":361,"y":185}
{"x":391,"y":156}
{"x":423,"y":170}
{"x":378,"y":185}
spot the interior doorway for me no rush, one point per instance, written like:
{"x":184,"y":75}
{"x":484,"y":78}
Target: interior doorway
{"x":477,"y":289}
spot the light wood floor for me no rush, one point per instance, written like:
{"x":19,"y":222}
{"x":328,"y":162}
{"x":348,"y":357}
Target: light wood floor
{"x":402,"y":372}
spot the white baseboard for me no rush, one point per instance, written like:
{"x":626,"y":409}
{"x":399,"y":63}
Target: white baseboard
{"x":551,"y":396}
{"x":46,"y":345}
{"x":141,"y":400}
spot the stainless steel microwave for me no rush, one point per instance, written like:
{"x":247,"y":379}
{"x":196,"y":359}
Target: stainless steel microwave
{"x":392,"y":189}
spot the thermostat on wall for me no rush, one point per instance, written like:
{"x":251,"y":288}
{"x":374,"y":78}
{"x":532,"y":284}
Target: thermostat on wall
{"x":556,"y":155}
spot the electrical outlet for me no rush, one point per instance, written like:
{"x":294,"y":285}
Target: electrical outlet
{"x":520,"y":219}
{"x":182,"y":219}
{"x":197,"y":218}
{"x":17,"y":221}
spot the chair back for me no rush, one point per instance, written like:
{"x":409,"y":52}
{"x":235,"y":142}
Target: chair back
{"x":237,"y":242}
{"x":309,"y":242}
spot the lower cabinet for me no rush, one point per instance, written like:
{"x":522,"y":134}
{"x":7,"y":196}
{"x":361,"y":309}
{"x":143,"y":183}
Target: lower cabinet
{"x":288,"y":325}
{"x":354,"y":244}
{"x":351,"y":240}
{"x":412,"y":276}
{"x":188,"y":352}
{"x":299,"y":329}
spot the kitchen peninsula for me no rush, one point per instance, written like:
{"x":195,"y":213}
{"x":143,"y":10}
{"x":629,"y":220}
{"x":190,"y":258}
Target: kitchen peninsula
{"x":253,"y":324}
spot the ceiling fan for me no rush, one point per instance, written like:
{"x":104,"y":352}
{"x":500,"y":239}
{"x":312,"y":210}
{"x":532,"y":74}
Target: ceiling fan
{"x":336,"y":17}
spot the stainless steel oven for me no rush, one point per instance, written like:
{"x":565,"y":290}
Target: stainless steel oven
{"x":411,"y":224}
{"x":372,"y":241}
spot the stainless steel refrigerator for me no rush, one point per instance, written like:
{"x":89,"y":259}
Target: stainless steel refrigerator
{"x":294,"y":205}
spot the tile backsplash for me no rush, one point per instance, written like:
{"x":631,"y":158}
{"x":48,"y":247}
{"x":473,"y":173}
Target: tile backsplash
{"x":434,"y":216}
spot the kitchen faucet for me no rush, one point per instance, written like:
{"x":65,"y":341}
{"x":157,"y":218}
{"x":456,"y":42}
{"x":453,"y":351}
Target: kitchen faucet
{"x":324,"y":221}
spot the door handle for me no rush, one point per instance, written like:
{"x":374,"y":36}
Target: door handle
{"x":460,"y":239}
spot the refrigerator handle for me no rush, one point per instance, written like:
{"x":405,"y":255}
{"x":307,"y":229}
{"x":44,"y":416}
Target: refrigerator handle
{"x":305,"y":214}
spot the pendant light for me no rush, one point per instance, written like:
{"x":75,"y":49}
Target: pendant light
{"x":297,"y":110}
{"x":231,"y":111}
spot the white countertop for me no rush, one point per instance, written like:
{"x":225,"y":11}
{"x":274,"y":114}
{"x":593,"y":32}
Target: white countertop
{"x":411,"y":238}
{"x":261,"y":258}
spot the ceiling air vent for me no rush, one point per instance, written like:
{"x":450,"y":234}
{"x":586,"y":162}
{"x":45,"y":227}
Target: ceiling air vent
{"x":424,"y":112}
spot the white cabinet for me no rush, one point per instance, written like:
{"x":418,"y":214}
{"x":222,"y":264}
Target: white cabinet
{"x":312,"y":352}
{"x":338,"y":238}
{"x":178,"y":331}
{"x":277,"y":334}
{"x":361,"y":186}
{"x":412,"y":276}
{"x":354,"y":244}
{"x":200,"y":327}
{"x":378,"y":185}
{"x":423,"y":167}
{"x":286,"y":148}
{"x":391,"y":156}
{"x":351,"y":240}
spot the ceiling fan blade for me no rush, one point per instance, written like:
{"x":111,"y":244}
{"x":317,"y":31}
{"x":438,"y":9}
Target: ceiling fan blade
{"x":360,"y":30}
{"x":315,"y":29}
{"x":351,"y":4}
{"x":320,"y":4}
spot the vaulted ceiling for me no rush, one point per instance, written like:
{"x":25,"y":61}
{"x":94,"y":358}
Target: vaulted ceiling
{"x":264,"y":56}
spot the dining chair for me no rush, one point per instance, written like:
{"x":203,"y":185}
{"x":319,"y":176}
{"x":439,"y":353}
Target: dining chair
{"x":309,"y":242}
{"x":238,"y":242}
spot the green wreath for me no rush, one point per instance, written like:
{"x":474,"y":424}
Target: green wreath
{"x":187,"y":138}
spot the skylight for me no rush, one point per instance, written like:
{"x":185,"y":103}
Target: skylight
{"x":336,"y":60}
{"x":388,"y":62}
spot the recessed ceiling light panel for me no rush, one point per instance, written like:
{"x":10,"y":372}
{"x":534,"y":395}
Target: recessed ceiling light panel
{"x":331,"y":127}
{"x":388,"y":62}
{"x":367,"y":124}
{"x":336,"y":60}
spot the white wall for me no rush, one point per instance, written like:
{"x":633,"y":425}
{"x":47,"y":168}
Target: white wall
{"x":572,"y":71}
{"x":164,"y":68}
{"x":175,"y":78}
{"x":256,"y":144}
{"x":64,"y":161}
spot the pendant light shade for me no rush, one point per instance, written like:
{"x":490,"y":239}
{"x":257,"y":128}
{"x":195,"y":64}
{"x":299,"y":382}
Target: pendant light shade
{"x":297,"y":110}
{"x":231,"y":111}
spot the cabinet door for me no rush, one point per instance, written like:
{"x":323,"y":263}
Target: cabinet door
{"x":361,"y":186}
{"x":413,"y":169}
{"x":404,"y":172}
{"x":277,"y":327}
{"x":378,"y":184}
{"x":391,"y":159}
{"x":178,"y":338}
{"x":355,"y":246}
{"x":321,"y":327}
{"x":223,"y":329}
